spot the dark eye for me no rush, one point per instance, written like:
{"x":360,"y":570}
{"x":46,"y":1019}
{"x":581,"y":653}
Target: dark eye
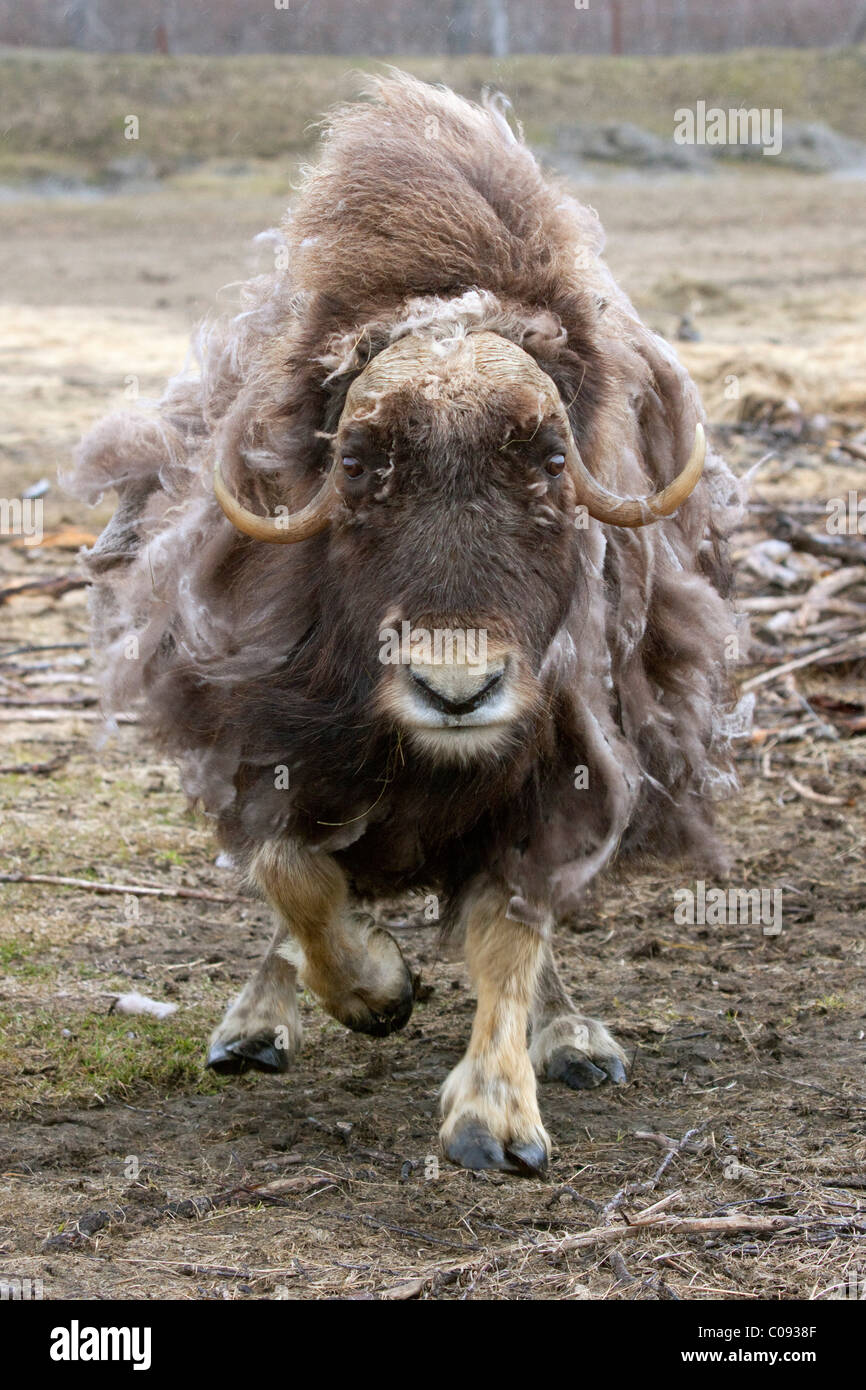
{"x":353,"y":468}
{"x":555,"y":465}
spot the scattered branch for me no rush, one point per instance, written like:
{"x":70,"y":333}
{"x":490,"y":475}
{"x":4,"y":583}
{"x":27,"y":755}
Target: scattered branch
{"x":51,"y":588}
{"x":809,"y":795}
{"x":43,"y":715}
{"x":35,"y":769}
{"x":139,"y":890}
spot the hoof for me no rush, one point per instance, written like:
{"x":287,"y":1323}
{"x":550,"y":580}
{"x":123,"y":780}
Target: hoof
{"x":577,"y":1071}
{"x":375,"y":992}
{"x":247,"y":1054}
{"x":473,"y":1146}
{"x":379,"y":1023}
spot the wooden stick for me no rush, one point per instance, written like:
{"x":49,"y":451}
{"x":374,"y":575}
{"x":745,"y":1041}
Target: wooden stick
{"x":50,"y":647}
{"x":848,"y":548}
{"x":698,"y":1225}
{"x":53,"y":588}
{"x":810,"y":659}
{"x":779,"y":604}
{"x":760,"y":604}
{"x":816,"y":599}
{"x":634,"y":1189}
{"x":60,"y":702}
{"x":809,"y":795}
{"x":35,"y":769}
{"x":138,"y":889}
{"x":46,"y":716}
{"x":664,"y":1141}
{"x":659,"y":1206}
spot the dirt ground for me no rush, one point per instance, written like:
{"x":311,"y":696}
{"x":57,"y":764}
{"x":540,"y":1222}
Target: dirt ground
{"x":129,"y":1172}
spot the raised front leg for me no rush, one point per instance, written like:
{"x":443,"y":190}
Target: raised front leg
{"x":353,"y":967}
{"x":491,"y":1116}
{"x":566,"y":1046}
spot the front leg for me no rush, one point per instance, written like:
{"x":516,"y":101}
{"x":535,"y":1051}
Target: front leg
{"x":354,"y":967}
{"x":491,"y":1116}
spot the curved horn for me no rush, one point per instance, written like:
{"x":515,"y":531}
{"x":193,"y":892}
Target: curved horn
{"x":286,"y":528}
{"x":500,"y":359}
{"x":638,"y":511}
{"x":483,"y":354}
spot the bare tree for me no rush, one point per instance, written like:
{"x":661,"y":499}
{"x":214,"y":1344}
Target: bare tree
{"x":461,"y":26}
{"x":161,"y":41}
{"x":86,"y":26}
{"x":497,"y":11}
{"x":615,"y":26}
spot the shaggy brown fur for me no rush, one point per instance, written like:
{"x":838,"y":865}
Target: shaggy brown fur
{"x":424,"y":217}
{"x":423,"y":213}
{"x":405,"y":223}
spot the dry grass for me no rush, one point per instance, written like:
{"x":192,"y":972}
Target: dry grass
{"x":66,"y":109}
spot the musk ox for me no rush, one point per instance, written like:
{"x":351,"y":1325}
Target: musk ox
{"x":421,"y":576}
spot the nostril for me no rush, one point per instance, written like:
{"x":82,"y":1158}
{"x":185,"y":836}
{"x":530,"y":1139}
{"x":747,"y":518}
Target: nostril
{"x":455,"y":702}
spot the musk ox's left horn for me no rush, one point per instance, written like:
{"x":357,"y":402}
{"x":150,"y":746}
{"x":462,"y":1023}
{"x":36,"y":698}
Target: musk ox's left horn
{"x":498,"y":357}
{"x":285,"y":528}
{"x":638,"y":511}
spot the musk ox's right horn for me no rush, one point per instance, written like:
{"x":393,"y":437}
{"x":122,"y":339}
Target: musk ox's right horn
{"x":288,"y":526}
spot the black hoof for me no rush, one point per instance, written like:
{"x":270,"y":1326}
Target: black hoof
{"x":530,"y":1159}
{"x":379,"y":1023}
{"x":577,"y":1071}
{"x":615,"y":1070}
{"x":248,"y":1054}
{"x":473,"y":1146}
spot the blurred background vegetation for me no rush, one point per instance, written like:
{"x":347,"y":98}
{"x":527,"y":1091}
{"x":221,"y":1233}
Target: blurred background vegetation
{"x":66,"y":109}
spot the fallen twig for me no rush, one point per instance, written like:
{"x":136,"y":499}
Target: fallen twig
{"x":636,"y":1189}
{"x":674,"y":1225}
{"x":137,"y":889}
{"x":841,"y":547}
{"x":664,"y":1141}
{"x":34,"y":769}
{"x":41,"y":715}
{"x":709,"y":1225}
{"x":46,"y":647}
{"x":61,"y":702}
{"x":809,"y":795}
{"x":659,"y":1205}
{"x":848,"y":646}
{"x":53,"y":588}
